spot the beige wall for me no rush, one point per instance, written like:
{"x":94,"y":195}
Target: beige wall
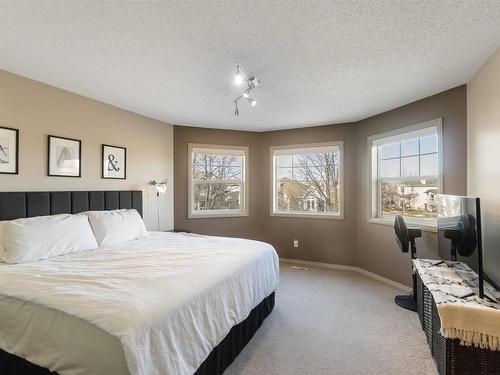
{"x":483,"y":143}
{"x":38,"y":110}
{"x":352,"y":241}
{"x":376,"y":247}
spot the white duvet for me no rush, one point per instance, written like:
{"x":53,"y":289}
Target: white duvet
{"x":169,"y":298}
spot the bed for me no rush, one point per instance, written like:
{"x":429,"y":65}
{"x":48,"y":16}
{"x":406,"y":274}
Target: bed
{"x":170,"y":303}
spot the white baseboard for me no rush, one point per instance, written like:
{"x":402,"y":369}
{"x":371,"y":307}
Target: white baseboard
{"x":341,"y":267}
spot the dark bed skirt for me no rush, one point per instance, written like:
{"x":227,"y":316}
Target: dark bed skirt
{"x":217,"y":361}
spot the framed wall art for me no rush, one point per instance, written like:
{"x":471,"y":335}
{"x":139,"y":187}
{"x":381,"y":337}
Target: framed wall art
{"x":65,"y":157}
{"x":114,"y":162}
{"x":9,"y":150}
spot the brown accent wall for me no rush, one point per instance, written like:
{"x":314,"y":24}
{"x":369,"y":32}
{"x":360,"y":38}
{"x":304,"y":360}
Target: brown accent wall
{"x":352,"y":241}
{"x":247,"y":227}
{"x":376,"y":248}
{"x":320,"y":240}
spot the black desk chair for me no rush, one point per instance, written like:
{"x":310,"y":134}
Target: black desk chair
{"x":405,"y":238}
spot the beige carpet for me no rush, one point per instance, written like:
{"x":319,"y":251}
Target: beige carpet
{"x":335,"y":322}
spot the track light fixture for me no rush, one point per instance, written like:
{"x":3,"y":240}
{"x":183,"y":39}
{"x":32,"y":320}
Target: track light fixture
{"x":236,"y":110}
{"x":252,"y":83}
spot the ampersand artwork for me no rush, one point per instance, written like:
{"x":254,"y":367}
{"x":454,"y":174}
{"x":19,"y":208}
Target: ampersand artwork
{"x":112,"y":165}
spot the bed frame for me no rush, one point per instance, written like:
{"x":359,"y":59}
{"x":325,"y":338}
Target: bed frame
{"x":15,"y":205}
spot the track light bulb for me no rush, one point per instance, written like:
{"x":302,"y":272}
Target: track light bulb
{"x":252,"y":101}
{"x":246,"y":94}
{"x":238,"y":78}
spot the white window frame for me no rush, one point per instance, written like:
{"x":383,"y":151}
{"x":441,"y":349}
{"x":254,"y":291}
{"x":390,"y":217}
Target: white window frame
{"x":298,"y":148}
{"x":374,"y":194}
{"x":220,"y":149}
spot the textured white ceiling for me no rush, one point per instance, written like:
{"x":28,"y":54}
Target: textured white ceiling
{"x":320,"y":62}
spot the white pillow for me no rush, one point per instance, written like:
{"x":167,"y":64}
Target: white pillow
{"x":42,"y":237}
{"x":114,"y":227}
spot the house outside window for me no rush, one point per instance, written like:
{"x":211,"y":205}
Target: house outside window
{"x":218,"y":181}
{"x":405,"y":174}
{"x":307,"y":180}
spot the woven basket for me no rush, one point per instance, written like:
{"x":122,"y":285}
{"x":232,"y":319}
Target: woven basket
{"x":452,"y":358}
{"x":420,"y":296}
{"x":427,"y":303}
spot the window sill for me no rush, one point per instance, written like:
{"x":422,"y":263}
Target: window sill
{"x":217,"y":215}
{"x":425,"y":226}
{"x":307,"y":216}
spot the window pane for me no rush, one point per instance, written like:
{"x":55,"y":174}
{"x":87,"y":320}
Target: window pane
{"x":232,"y":160}
{"x":212,"y":159}
{"x":232,"y":173}
{"x":215,"y":167}
{"x":299,"y":160}
{"x":311,"y":185}
{"x":390,"y":151}
{"x":416,"y":157}
{"x":409,"y":166}
{"x":410,"y":198}
{"x":214,"y":196}
{"x":390,"y":168}
{"x":284,"y":173}
{"x":429,"y":165}
{"x":319,"y":172}
{"x":301,"y":174}
{"x":315,"y":159}
{"x":428,"y":144}
{"x":207,"y":172}
{"x":283,"y":161}
{"x":306,"y":198}
{"x":410,"y":147}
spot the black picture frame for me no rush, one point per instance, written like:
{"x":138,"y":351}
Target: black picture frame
{"x":51,"y":173}
{"x":16,"y":158}
{"x":104,"y":164}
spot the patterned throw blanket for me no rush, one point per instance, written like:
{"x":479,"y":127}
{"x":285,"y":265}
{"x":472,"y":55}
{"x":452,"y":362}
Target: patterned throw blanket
{"x":473,"y":320}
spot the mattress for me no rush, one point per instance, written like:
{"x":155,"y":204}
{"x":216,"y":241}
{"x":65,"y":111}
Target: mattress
{"x":153,"y":306}
{"x":56,"y":340}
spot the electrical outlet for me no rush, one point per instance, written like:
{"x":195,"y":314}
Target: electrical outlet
{"x":295,"y":243}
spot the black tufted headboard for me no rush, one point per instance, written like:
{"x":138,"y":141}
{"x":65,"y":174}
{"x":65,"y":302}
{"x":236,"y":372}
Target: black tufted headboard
{"x":15,"y":205}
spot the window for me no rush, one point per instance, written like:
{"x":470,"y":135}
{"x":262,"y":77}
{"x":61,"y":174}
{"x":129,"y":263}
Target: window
{"x":218,"y":178}
{"x":307,"y":180}
{"x":405,"y":173}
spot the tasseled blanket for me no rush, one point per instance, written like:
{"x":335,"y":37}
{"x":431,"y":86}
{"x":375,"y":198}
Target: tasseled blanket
{"x":472,"y":320}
